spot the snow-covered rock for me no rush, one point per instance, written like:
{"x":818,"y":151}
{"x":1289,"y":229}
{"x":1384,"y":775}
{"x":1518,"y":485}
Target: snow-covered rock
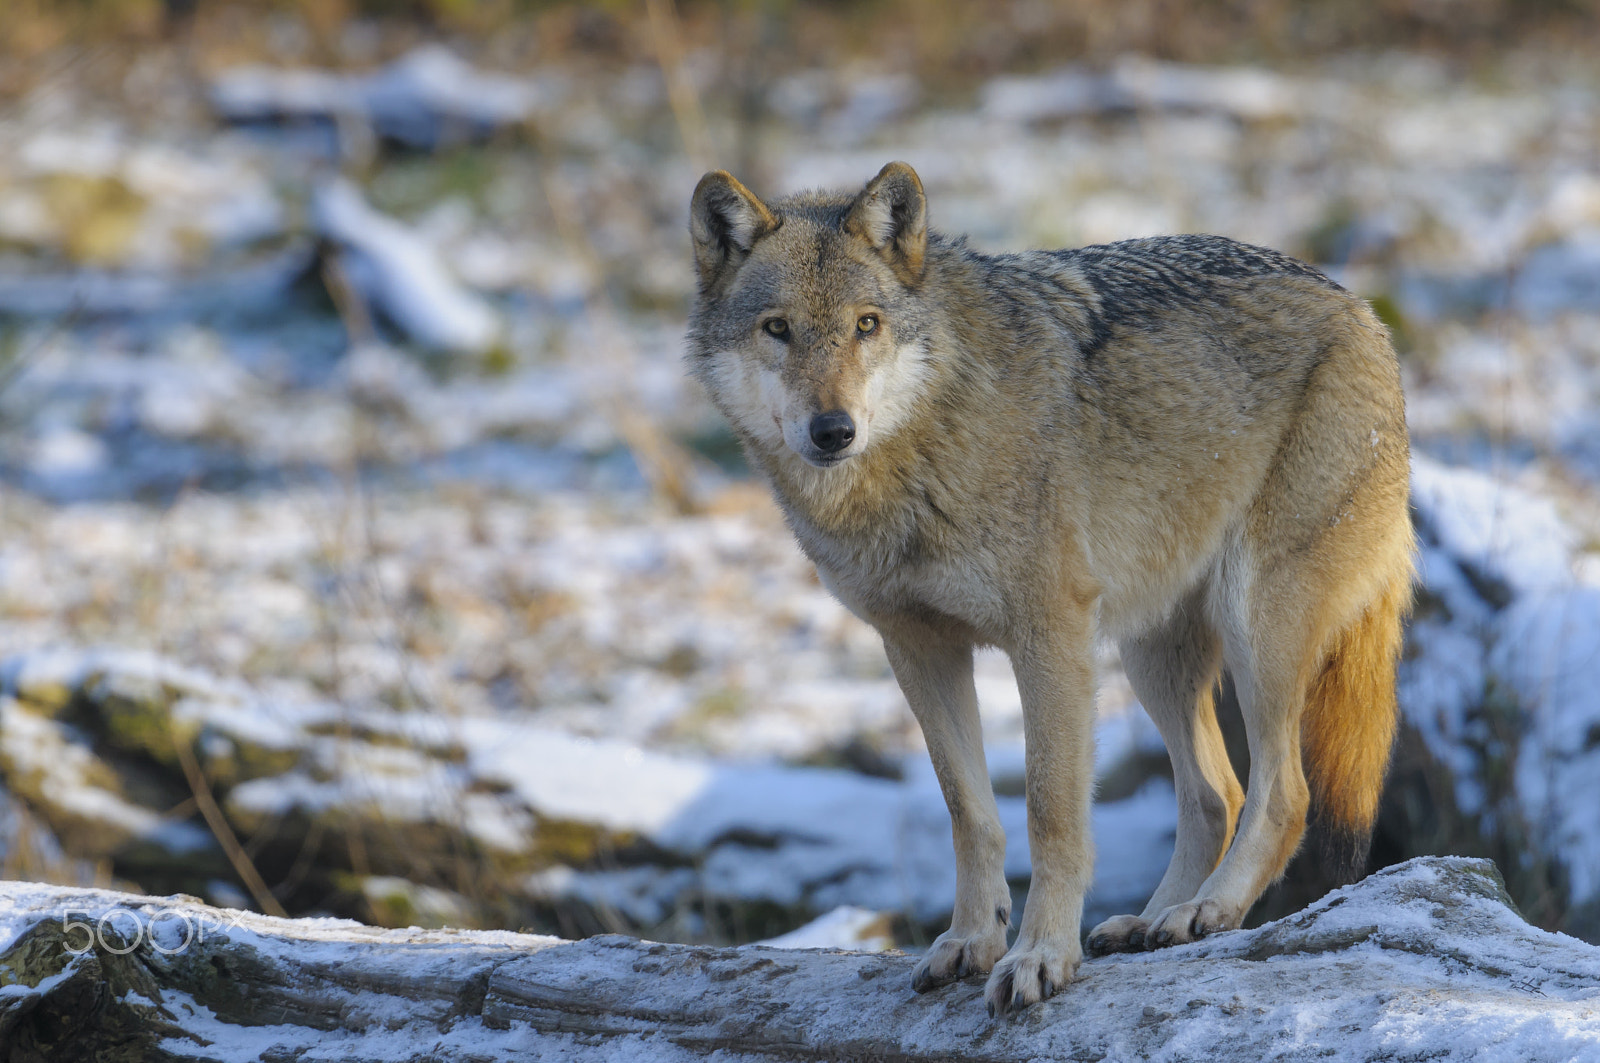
{"x":426,"y":98}
{"x":1502,"y":534}
{"x":1424,"y":960}
{"x":83,"y":802}
{"x":1547,"y":656}
{"x":401,"y":274}
{"x":1501,"y":677}
{"x":1134,"y":83}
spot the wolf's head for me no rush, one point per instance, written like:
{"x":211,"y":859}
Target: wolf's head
{"x":806,"y":330}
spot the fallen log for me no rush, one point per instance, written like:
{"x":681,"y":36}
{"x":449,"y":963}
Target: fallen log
{"x":1424,"y":960}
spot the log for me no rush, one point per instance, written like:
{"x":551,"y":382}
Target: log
{"x":1423,"y":960}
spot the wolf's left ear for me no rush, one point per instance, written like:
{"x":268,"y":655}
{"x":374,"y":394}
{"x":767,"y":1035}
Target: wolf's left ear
{"x":891,"y":214}
{"x":726,"y":220}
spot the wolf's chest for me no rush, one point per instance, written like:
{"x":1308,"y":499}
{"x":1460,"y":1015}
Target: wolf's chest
{"x":966,"y":587}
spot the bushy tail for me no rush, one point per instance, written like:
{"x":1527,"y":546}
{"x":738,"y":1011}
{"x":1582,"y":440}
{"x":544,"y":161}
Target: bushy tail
{"x":1348,"y":729}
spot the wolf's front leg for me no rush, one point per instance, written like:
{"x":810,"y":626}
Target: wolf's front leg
{"x":934,"y":668}
{"x":1055,"y":674}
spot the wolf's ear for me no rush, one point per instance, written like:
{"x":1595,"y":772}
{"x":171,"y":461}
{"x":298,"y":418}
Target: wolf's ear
{"x":891,"y":214}
{"x":725,"y":220}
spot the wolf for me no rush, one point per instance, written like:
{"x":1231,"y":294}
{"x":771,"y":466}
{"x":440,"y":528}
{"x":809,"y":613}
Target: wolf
{"x":1189,"y":445}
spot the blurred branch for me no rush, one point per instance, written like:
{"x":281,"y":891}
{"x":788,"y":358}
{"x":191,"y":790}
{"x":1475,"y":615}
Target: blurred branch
{"x":352,"y":308}
{"x":685,"y":102}
{"x":220,"y":828}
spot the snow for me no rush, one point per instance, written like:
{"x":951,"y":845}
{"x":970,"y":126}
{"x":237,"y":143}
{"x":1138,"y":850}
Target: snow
{"x":1512,"y":631}
{"x":428,"y":96}
{"x":258,"y":282}
{"x":1499,"y":531}
{"x":1135,"y":83}
{"x":788,"y":835}
{"x":402,"y":275}
{"x":807,"y":837}
{"x":845,"y":927}
{"x":1547,"y":653}
{"x":1437,"y":697}
{"x":1560,"y":276}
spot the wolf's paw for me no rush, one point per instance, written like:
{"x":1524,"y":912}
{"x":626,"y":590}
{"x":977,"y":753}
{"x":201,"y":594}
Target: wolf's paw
{"x":1183,"y":923}
{"x":1031,"y":973}
{"x":953,"y":957}
{"x":1120,"y":933}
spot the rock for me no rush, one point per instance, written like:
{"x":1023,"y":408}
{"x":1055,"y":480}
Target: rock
{"x":1423,"y":960}
{"x":801,"y":839}
{"x":79,"y":795}
{"x":399,"y":902}
{"x":101,"y":220}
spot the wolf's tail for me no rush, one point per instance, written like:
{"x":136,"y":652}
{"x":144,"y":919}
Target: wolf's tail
{"x":1347,"y":731}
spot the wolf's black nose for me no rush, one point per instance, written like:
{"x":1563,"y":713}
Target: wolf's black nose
{"x":832,"y":431}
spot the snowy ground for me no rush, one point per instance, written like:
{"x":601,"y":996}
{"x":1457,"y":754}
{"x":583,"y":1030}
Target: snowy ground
{"x":374,"y":449}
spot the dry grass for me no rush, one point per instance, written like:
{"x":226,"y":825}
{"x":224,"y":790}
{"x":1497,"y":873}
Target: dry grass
{"x":952,"y":42}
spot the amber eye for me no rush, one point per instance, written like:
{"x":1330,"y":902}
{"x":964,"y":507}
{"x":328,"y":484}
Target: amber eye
{"x":777,"y":328}
{"x":867,"y":324}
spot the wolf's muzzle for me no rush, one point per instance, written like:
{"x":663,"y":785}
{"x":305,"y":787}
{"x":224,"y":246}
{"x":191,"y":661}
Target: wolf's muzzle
{"x":831,"y":432}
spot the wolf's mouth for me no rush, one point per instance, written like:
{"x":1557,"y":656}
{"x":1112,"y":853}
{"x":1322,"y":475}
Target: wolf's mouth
{"x":818,"y":459}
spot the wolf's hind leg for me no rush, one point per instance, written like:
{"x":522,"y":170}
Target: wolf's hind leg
{"x":1323,"y":568}
{"x":1269,"y":673}
{"x":935,"y":673}
{"x":1173,"y":669}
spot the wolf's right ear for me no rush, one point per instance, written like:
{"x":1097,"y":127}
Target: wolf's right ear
{"x":726,"y":220}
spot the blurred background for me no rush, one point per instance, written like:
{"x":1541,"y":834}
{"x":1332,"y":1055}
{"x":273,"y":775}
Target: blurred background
{"x":364,"y":550}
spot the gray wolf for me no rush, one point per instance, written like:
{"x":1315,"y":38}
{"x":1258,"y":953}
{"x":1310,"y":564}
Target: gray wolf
{"x":1187,"y":444}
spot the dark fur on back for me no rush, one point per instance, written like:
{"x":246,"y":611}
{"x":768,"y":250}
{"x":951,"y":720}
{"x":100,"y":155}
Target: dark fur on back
{"x":1141,"y":278}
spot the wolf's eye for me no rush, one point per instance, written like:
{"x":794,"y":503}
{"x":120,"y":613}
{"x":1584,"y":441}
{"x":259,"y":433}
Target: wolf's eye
{"x":867,"y":324}
{"x":777,"y":328}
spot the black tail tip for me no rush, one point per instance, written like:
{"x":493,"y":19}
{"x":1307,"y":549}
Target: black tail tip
{"x":1341,"y":852}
